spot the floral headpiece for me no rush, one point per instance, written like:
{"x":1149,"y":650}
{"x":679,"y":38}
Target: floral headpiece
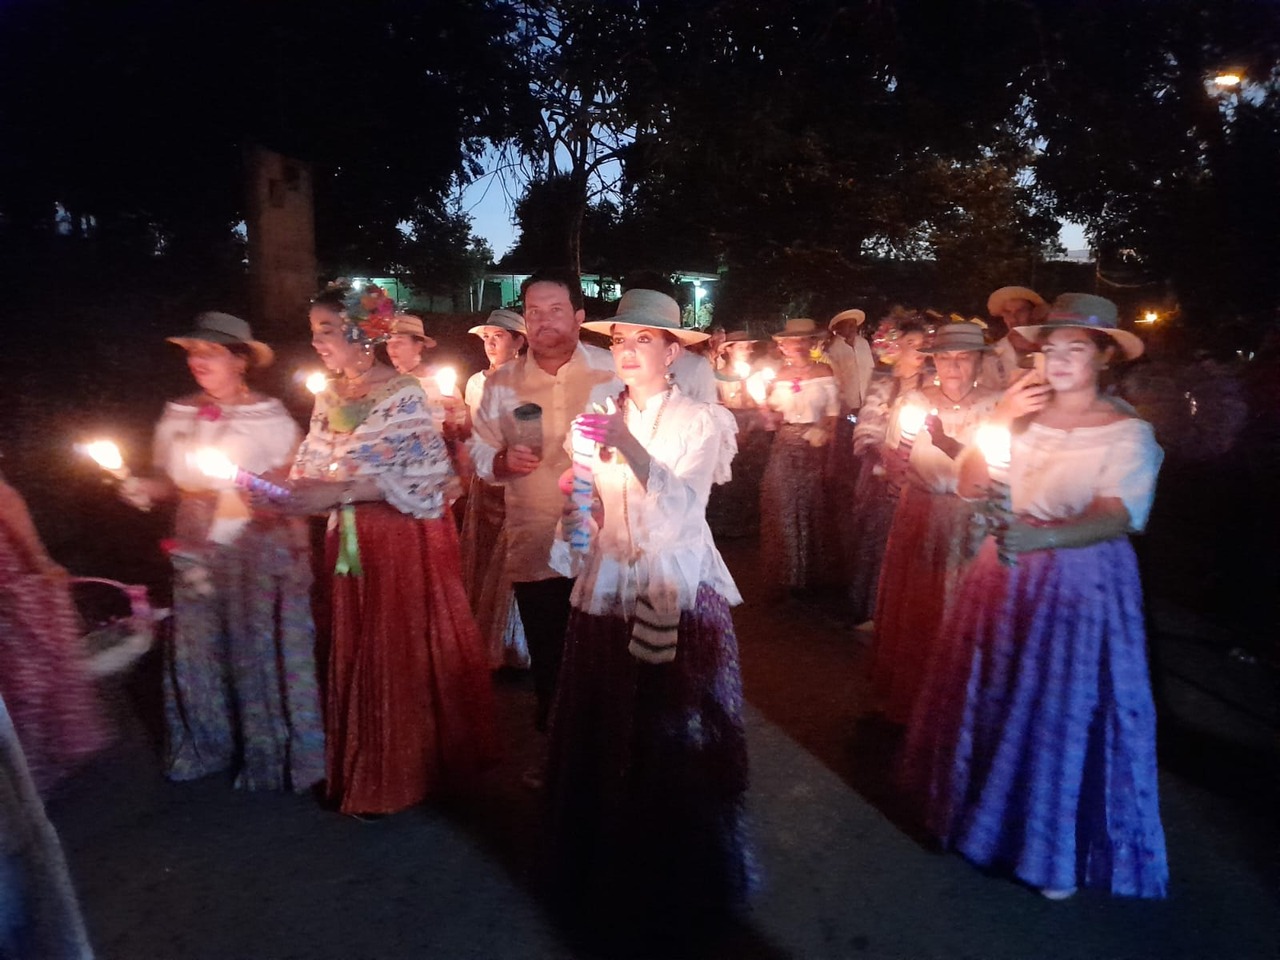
{"x":366,"y":311}
{"x":885,"y":341}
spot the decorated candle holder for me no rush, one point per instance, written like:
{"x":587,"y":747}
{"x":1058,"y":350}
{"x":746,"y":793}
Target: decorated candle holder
{"x":995,"y":443}
{"x":216,"y":464}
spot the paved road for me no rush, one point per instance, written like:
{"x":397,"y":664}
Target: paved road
{"x":196,"y":871}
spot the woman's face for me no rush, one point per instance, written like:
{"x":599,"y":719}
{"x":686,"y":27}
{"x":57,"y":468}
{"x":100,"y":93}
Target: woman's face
{"x":218,"y":371}
{"x":1072,"y":360}
{"x":405,"y":352}
{"x":957,"y":370}
{"x":642,"y":356}
{"x":329,"y":342}
{"x":910,"y":359}
{"x":738,"y":352}
{"x":500,"y":345}
{"x":795,"y":348}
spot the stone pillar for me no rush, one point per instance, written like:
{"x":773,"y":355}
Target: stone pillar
{"x":282,"y":243}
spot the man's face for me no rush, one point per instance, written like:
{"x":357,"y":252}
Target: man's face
{"x":1017,"y":313}
{"x":551,"y":320}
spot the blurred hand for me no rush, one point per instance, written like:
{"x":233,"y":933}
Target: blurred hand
{"x":309,"y":497}
{"x":519,"y":460}
{"x":1022,"y":397}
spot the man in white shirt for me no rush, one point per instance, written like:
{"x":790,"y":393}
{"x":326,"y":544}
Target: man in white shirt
{"x":558,"y":374}
{"x":1016,"y":307}
{"x":850,"y":356}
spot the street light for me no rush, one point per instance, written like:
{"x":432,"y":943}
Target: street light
{"x":1149,"y":317}
{"x":1228,"y":80}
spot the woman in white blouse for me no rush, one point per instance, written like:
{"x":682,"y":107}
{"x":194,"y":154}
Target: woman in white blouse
{"x":239,"y":680}
{"x":803,"y":400}
{"x":408,"y":701}
{"x":929,"y":541}
{"x":1032,"y":744}
{"x":484,"y":533}
{"x":647,"y":762}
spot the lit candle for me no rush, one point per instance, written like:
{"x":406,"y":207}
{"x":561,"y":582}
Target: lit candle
{"x":106,"y":455}
{"x":910,"y":419}
{"x":215,"y":463}
{"x":447,"y":380}
{"x":741,"y":369}
{"x":317,"y":382}
{"x":758,"y":388}
{"x":996,"y":443}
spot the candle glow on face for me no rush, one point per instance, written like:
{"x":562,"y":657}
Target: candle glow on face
{"x":317,"y":382}
{"x":910,"y":419}
{"x":447,"y":380}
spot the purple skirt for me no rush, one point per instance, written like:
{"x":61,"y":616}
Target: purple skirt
{"x":647,"y":773}
{"x":1032,"y":746}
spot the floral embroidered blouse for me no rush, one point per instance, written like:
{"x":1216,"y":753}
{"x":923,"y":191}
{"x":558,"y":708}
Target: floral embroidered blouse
{"x":389,"y":436}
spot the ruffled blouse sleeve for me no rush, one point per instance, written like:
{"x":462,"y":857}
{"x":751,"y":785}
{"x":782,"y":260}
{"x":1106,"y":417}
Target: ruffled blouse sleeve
{"x":399,"y":446}
{"x":1130,"y":469}
{"x":683,"y":484}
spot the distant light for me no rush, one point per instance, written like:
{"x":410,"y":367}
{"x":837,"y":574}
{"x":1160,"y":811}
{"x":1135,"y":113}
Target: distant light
{"x":1149,"y":317}
{"x":1228,"y":79}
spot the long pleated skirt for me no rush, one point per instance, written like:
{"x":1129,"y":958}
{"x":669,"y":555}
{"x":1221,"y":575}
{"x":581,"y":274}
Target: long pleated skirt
{"x":1032,"y":745}
{"x":409,"y":707}
{"x":795,"y":527}
{"x":240,"y":690}
{"x":647,"y":774}
{"x":484,"y":554}
{"x":926,"y":552}
{"x":873,"y":508}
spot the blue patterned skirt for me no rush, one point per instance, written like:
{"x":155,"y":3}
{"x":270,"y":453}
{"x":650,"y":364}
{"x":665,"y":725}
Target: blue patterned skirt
{"x":647,"y":774}
{"x":1032,"y":747}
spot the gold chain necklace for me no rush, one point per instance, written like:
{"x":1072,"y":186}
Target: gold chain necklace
{"x":626,"y":477}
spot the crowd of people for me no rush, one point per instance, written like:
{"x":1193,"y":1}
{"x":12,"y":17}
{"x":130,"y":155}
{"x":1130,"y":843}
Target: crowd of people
{"x":971,"y":497}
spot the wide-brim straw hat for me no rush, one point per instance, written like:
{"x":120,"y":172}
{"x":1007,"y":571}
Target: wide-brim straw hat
{"x":507,"y":320}
{"x":798,"y":328}
{"x":1085,"y":311}
{"x":957,"y":338}
{"x":996,"y":302}
{"x":407,"y":325}
{"x":859,"y":317}
{"x":225,"y":330}
{"x":737,"y":336}
{"x":651,"y":310}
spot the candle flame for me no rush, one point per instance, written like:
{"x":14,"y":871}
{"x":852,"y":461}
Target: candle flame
{"x":447,"y":380}
{"x":104,"y":453}
{"x":996,"y":443}
{"x":317,"y":382}
{"x":768,"y":373}
{"x":741,"y":369}
{"x":910,"y":419}
{"x":757,"y":387}
{"x":215,"y":463}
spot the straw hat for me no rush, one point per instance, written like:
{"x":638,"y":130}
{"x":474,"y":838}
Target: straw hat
{"x":996,"y":302}
{"x":957,"y":337}
{"x":407,"y":325}
{"x":798,"y":328}
{"x":650,"y":309}
{"x":857,"y":316}
{"x":224,"y":329}
{"x":1084,"y":311}
{"x":736,"y":336}
{"x":508,"y":320}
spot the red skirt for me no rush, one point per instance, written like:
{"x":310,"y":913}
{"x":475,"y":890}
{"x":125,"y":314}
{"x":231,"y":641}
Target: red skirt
{"x":409,"y":707}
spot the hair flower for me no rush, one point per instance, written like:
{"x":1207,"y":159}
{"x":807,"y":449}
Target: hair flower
{"x":209,"y":412}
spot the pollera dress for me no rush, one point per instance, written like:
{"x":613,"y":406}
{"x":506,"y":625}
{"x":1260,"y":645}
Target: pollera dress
{"x":240,"y":686}
{"x":647,"y":769}
{"x":795,"y":523}
{"x":928,"y":546}
{"x":1031,"y":747}
{"x":409,"y":708}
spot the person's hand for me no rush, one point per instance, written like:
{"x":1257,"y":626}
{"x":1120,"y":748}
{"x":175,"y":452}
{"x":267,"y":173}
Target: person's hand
{"x":1022,"y":397}
{"x":142,"y":492}
{"x":309,"y":497}
{"x":1019,"y":537}
{"x":46,"y":567}
{"x":518,"y":460}
{"x":608,"y":429}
